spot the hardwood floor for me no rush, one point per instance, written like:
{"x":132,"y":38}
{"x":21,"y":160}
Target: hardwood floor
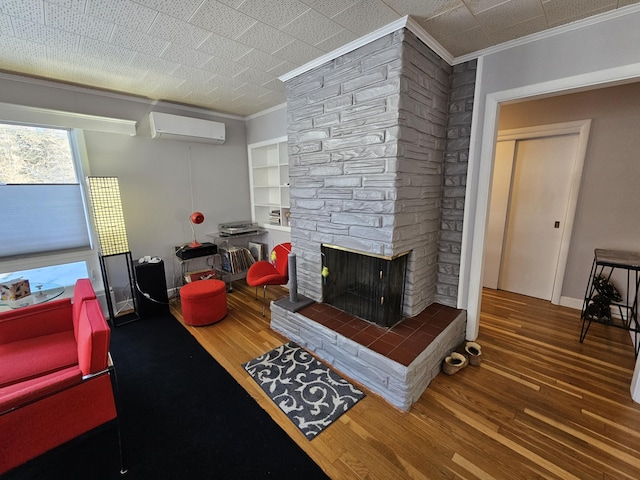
{"x":541,"y":404}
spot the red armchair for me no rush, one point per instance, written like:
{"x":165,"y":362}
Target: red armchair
{"x":275,"y":272}
{"x":55,"y":375}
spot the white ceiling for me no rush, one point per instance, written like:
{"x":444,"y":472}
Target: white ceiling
{"x":226,"y":55}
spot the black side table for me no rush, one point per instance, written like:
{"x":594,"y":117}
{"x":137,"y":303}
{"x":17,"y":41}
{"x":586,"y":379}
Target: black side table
{"x":151,"y":289}
{"x":604,"y":264}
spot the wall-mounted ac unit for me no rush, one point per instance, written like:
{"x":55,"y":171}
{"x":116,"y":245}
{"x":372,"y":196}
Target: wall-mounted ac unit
{"x":176,"y":127}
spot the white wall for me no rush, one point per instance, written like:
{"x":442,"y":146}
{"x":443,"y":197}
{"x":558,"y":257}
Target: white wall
{"x":268,"y":125}
{"x":154,"y":176}
{"x":599,"y":54}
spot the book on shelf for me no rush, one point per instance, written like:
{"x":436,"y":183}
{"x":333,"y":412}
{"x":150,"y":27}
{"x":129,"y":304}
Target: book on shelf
{"x":274,"y":217}
{"x":236,"y":259}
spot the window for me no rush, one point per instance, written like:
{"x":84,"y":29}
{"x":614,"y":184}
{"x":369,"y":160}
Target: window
{"x":64,"y":275}
{"x":39,"y":188}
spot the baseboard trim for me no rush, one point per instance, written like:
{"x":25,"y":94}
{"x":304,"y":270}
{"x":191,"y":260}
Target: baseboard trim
{"x":571,"y":302}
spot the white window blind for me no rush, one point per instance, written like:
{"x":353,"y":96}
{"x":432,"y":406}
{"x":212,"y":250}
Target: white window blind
{"x":42,"y":218}
{"x":41,"y":198}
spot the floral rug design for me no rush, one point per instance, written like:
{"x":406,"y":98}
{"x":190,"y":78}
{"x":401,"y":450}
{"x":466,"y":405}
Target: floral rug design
{"x":307,"y":391}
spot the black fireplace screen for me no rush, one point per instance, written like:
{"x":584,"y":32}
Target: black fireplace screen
{"x":370,"y":287}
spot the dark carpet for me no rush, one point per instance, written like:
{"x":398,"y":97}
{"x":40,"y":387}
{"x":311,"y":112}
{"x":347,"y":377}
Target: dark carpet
{"x":183,"y":417}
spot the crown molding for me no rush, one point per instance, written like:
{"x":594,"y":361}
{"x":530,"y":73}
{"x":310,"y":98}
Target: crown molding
{"x":412,"y":25}
{"x":404,"y":22}
{"x":349,"y":47}
{"x":429,"y":41}
{"x":552,"y":32}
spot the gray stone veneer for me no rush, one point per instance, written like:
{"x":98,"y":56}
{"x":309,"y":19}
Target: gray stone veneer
{"x":398,"y":384}
{"x":456,"y":158}
{"x":378,"y":148}
{"x":367,"y":136}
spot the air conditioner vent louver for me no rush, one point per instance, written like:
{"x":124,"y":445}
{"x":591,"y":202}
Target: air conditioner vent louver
{"x":187,"y":129}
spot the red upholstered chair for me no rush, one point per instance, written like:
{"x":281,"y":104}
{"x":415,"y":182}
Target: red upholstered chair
{"x":56,"y":377}
{"x":274,"y":272}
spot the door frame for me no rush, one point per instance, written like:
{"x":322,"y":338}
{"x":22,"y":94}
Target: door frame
{"x":485,"y":121}
{"x":577,"y":127}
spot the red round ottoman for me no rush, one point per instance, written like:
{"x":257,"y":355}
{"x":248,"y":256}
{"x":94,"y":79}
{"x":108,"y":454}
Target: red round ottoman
{"x":203,"y":302}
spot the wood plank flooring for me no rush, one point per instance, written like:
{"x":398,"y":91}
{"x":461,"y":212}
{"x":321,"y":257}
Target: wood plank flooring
{"x":541,"y":404}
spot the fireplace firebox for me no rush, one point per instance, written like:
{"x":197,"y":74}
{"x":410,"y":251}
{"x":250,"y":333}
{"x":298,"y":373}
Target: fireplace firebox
{"x":368,"y":286}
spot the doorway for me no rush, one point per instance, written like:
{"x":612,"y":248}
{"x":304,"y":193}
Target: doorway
{"x":534,"y":193}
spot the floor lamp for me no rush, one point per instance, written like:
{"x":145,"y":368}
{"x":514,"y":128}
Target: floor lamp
{"x":106,"y":210}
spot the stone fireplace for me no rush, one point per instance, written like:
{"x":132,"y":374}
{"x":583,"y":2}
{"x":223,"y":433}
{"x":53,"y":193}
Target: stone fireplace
{"x":366,"y":147}
{"x":368,"y":135}
{"x":370,"y":287}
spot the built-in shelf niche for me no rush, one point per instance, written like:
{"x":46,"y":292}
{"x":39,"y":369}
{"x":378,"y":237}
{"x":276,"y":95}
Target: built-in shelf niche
{"x":269,"y":178}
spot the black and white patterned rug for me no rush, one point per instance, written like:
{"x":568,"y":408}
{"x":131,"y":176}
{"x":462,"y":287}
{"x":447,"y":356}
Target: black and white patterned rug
{"x":307,"y":391}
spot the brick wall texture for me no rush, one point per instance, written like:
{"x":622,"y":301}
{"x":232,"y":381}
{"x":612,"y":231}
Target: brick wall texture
{"x":378,"y":141}
{"x":463,"y":81}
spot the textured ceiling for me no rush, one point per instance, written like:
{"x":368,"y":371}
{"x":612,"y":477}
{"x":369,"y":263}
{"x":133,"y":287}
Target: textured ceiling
{"x":226,"y":55}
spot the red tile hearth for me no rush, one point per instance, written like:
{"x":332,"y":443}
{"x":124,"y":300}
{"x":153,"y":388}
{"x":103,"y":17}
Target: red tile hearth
{"x":402,"y":343}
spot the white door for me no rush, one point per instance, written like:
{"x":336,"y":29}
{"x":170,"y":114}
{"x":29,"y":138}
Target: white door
{"x":500,"y":191}
{"x":537,"y":211}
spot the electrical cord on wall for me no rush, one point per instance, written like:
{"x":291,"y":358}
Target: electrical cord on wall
{"x":191,"y":179}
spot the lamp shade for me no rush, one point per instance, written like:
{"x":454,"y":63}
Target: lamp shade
{"x":197,"y":218}
{"x":106,"y":209}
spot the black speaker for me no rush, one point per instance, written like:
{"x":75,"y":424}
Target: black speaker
{"x":151,"y":289}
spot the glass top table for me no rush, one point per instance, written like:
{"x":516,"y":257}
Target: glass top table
{"x":40,"y":293}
